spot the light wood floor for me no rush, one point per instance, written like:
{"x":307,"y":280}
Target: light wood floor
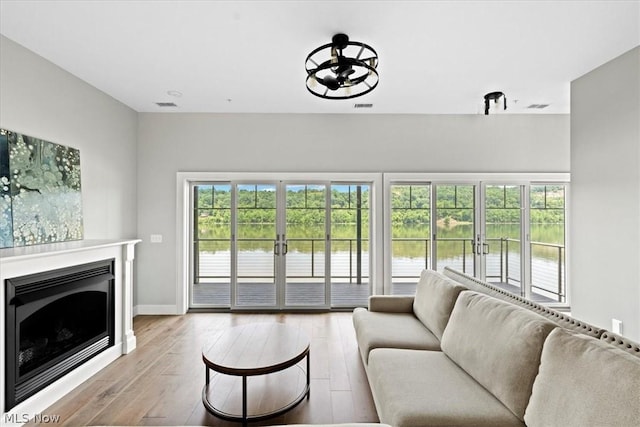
{"x":160,"y":383}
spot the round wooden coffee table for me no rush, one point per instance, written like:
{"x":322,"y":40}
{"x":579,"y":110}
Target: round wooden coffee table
{"x":259,"y":354}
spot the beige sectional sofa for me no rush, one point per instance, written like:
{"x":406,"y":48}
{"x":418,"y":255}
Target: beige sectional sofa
{"x":462,"y":352}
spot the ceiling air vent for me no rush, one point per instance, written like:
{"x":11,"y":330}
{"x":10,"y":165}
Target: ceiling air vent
{"x":166,"y":104}
{"x":538,"y":106}
{"x":362,"y":105}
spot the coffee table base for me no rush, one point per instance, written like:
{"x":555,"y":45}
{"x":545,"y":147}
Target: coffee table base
{"x":245,"y":417}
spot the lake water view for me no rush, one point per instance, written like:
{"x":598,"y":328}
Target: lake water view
{"x":410,"y":252}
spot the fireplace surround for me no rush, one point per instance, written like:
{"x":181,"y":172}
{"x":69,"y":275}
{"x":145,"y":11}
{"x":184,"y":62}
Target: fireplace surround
{"x":55,"y":321}
{"x":18,"y":262}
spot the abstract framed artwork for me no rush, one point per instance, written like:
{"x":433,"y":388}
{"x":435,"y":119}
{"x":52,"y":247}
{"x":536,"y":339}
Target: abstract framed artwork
{"x":40,"y":192}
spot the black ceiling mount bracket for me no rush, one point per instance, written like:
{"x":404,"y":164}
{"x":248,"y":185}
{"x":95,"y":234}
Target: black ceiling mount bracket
{"x":340,"y":40}
{"x":493,"y":96}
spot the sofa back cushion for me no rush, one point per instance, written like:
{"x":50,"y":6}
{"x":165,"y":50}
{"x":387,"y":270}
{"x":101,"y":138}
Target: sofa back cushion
{"x":498,"y":344}
{"x":434,"y":300}
{"x":584,"y":382}
{"x":557,"y":317}
{"x":475,"y":284}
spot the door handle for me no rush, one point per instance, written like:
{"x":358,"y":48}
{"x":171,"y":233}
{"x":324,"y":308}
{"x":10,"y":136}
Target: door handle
{"x":485,"y":249}
{"x":477,"y":247}
{"x":285,"y":248}
{"x":276,"y":248}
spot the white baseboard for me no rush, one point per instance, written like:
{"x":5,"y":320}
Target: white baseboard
{"x":155,"y":309}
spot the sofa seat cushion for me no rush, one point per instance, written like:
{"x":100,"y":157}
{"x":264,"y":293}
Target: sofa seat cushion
{"x":499,"y":344}
{"x":426,"y":388}
{"x":435,"y":297}
{"x":391,"y":330}
{"x":336,"y":425}
{"x":584,"y":382}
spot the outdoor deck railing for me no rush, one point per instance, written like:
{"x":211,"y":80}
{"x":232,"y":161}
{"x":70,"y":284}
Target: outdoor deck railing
{"x":352,"y":276}
{"x":560,"y":293}
{"x":544,"y":275}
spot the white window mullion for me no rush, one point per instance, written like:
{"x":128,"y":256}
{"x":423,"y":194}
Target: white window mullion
{"x":433,"y":226}
{"x":480,"y":232}
{"x":525,"y":247}
{"x":327,"y":242}
{"x":234,"y":242}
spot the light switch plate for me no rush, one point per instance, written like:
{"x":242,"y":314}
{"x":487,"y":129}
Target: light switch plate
{"x":156,"y":238}
{"x":616,"y":326}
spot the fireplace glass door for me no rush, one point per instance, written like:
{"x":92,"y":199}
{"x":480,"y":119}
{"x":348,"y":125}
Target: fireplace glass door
{"x":56,"y":321}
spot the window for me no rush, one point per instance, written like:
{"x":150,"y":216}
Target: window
{"x":309,"y":241}
{"x":303,"y":242}
{"x":506,"y":229}
{"x":548,"y":247}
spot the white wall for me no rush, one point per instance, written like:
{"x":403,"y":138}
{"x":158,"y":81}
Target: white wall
{"x":42,"y":100}
{"x":605,"y":206}
{"x":168,"y":143}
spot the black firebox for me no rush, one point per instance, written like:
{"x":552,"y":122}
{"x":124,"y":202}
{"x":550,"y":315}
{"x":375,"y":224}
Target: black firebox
{"x":55,"y":321}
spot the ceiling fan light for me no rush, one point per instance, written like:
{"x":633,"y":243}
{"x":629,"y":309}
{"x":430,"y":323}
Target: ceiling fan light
{"x":338,"y":75}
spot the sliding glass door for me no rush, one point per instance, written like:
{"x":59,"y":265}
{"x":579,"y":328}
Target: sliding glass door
{"x":280,"y":252}
{"x":350,"y":240}
{"x":547,"y":243}
{"x":500,"y":242}
{"x":280,"y":244}
{"x":256,"y":246}
{"x":432,"y":226}
{"x":509,"y":233}
{"x":212,"y":244}
{"x":410,"y":224}
{"x":523,"y":239}
{"x":455,"y":225}
{"x":303,"y":245}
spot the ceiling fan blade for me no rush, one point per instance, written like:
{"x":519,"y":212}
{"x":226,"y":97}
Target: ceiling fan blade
{"x":331,"y":82}
{"x":344,"y":74}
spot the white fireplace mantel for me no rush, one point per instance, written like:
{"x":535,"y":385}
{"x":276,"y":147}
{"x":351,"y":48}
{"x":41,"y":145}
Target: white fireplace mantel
{"x":16,"y":262}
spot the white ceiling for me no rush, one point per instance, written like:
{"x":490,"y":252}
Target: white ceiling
{"x":436,"y":57}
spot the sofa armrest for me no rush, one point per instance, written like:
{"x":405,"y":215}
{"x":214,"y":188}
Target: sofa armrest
{"x":391,"y":303}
